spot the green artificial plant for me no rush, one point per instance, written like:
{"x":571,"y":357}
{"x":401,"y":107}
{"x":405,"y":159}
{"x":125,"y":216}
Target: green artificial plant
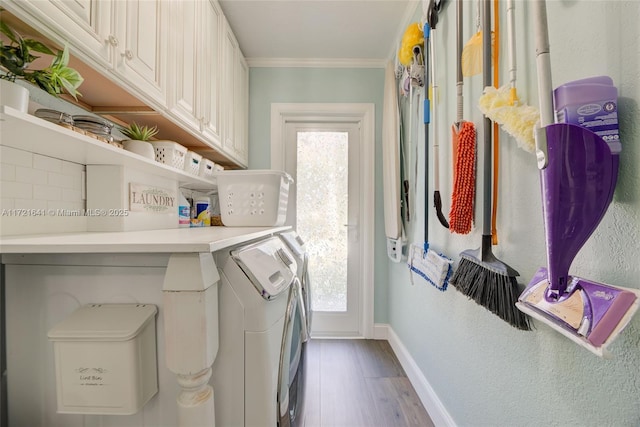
{"x":140,"y":133}
{"x":16,"y":56}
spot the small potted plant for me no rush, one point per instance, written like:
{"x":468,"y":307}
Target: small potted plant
{"x":139,"y":140}
{"x":15,"y":57}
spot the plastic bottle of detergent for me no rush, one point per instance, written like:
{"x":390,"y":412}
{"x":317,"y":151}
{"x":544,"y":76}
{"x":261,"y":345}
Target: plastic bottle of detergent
{"x":203,"y":211}
{"x":591,"y":103}
{"x":184,"y":211}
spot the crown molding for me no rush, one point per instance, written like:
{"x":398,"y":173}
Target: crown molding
{"x":315,"y":63}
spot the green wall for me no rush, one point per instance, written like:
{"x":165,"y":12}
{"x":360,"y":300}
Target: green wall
{"x":321,"y":85}
{"x":485,"y":372}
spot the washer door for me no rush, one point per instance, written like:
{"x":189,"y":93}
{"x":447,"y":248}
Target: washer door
{"x":291,"y":375}
{"x":305,"y":286}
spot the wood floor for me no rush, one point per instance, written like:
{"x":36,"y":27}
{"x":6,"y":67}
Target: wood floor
{"x":359,"y":383}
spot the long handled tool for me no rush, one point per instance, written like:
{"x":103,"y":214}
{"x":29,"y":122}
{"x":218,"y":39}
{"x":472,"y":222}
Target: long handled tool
{"x":578,"y":171}
{"x":434,"y":9}
{"x":435,"y":268}
{"x":480,"y":275}
{"x":496,"y":127}
{"x":464,"y":150}
{"x":503,"y":105}
{"x":391,"y":167}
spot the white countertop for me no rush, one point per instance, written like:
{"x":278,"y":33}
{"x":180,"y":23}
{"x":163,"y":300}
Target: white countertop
{"x":206,"y":239}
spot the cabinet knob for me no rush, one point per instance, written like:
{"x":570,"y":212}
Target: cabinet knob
{"x":112,"y":40}
{"x":127,"y":54}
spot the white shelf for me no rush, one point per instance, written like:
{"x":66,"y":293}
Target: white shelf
{"x":30,"y":133}
{"x":179,"y":240}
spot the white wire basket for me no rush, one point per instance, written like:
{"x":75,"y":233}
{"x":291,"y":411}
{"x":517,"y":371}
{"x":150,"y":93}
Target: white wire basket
{"x":207,"y":167}
{"x":192,"y":162}
{"x":170,"y":153}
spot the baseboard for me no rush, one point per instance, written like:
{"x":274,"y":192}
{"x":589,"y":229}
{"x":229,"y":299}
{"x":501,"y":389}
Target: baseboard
{"x":381,"y":331}
{"x":426,"y":393}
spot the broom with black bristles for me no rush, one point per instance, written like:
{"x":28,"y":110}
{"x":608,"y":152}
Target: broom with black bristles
{"x":480,"y":275}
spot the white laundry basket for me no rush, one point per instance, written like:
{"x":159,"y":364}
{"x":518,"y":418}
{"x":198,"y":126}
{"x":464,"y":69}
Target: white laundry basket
{"x":253,"y":198}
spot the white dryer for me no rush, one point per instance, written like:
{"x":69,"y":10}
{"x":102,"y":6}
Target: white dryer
{"x":260,"y":352}
{"x":297,"y":246}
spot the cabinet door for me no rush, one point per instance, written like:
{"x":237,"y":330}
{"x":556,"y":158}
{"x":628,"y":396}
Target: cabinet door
{"x":211,"y":72}
{"x":84,"y":24}
{"x":139,"y":59}
{"x":241,"y":110}
{"x":229,"y":48}
{"x":182,"y":67}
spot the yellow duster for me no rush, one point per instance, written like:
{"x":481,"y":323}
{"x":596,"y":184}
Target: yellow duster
{"x":413,"y":36}
{"x":516,"y":119}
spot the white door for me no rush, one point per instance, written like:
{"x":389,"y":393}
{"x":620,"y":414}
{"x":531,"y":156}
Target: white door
{"x":325,"y":209}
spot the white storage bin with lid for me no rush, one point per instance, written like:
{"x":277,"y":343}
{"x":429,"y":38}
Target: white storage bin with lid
{"x":253,"y":198}
{"x":207,"y":168}
{"x":105,"y":359}
{"x":192,"y":162}
{"x":170,"y":153}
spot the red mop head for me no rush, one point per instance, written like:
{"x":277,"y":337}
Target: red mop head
{"x":464,"y":185}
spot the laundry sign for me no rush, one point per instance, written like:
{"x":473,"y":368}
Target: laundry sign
{"x":147,"y":198}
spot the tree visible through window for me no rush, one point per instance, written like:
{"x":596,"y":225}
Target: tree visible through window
{"x":322,"y":208}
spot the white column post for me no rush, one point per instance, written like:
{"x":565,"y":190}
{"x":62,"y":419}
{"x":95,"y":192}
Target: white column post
{"x":191,"y":333}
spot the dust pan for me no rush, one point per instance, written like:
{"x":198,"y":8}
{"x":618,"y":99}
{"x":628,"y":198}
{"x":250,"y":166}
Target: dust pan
{"x":578,"y":172}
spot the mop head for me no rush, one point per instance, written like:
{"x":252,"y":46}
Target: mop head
{"x":516,"y":119}
{"x":492,"y":284}
{"x":433,"y":267}
{"x":464,"y":184}
{"x":589,"y":313}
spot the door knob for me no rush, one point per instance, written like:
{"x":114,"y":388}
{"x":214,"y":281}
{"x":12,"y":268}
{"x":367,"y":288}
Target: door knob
{"x":112,"y":40}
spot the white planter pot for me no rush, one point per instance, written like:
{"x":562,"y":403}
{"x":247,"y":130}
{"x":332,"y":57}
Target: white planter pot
{"x":13,"y":95}
{"x":141,"y":148}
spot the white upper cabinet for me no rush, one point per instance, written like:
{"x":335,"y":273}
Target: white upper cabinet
{"x":179,"y":57}
{"x":141,"y":44}
{"x":211,"y":72}
{"x":123,"y":37}
{"x":195,"y":68}
{"x":241,"y":118}
{"x":183,"y":70}
{"x":86,"y":24}
{"x":235,"y":87}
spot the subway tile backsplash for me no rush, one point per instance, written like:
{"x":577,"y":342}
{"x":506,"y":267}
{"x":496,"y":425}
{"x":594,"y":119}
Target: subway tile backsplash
{"x":33,"y":181}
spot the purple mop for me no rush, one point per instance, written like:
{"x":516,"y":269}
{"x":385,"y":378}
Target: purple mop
{"x":578,"y":171}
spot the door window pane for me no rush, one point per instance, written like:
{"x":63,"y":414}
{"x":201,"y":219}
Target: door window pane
{"x":322,"y":208}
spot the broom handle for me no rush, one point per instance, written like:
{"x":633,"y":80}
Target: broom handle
{"x":487,"y":125}
{"x":543,"y":62}
{"x":427,"y":119}
{"x":511,"y":40}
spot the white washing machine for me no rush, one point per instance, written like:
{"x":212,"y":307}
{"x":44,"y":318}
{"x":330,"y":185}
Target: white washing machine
{"x":296,"y":245}
{"x":257,"y":375}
